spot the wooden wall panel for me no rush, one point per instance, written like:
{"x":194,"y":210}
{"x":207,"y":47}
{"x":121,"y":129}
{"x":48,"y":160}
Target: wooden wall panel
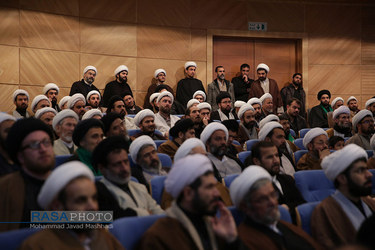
{"x":106,"y":66}
{"x":111,"y":38}
{"x":139,"y":98}
{"x":49,"y":31}
{"x":64,"y":7}
{"x":39,"y":67}
{"x":9,"y":28}
{"x":114,"y":10}
{"x":279,"y":16}
{"x":164,"y":12}
{"x":368,"y":79}
{"x":218,"y":14}
{"x":9,"y":65}
{"x":6,"y":101}
{"x":160,"y":42}
{"x":198,"y":45}
{"x":12,"y":4}
{"x":339,"y":79}
{"x":368,"y":35}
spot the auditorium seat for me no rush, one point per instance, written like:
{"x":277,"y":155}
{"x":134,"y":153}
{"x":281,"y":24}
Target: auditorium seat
{"x":250,"y":143}
{"x":132,"y":132}
{"x":165,"y":160}
{"x":229,"y":179}
{"x":303,"y":132}
{"x":60,"y":159}
{"x":313,"y":185}
{"x":243,"y":155}
{"x":157,"y":188}
{"x":159,"y":142}
{"x":298,"y":154}
{"x":303,"y":215}
{"x":293,"y":133}
{"x":299,"y":143}
{"x":12,"y":240}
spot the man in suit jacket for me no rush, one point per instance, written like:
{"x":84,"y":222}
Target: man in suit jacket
{"x":225,"y":111}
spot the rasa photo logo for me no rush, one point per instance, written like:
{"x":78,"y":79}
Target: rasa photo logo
{"x":71,"y":219}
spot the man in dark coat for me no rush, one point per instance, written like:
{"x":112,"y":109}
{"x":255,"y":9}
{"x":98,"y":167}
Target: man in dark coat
{"x":242,"y":84}
{"x":295,"y":90}
{"x":86,"y":84}
{"x":318,"y":114}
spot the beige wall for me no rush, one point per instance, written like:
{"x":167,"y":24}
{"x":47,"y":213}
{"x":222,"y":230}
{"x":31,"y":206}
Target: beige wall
{"x":45,"y":41}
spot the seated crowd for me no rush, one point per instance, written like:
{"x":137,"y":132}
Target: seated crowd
{"x":113,"y":149}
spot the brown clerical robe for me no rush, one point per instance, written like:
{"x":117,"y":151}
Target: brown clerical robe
{"x":256,"y":90}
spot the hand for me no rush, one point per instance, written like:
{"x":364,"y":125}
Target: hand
{"x":224,"y":227}
{"x":324,"y":153}
{"x":285,"y":206}
{"x":205,"y":121}
{"x":245,"y":79}
{"x":166,"y":134}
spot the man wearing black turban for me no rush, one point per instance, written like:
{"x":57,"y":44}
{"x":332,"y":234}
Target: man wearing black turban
{"x":318,"y":114}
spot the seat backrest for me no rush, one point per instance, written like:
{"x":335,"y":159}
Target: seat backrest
{"x":250,"y":143}
{"x":236,"y":143}
{"x":229,"y":179}
{"x":293,"y":133}
{"x":132,"y":132}
{"x":60,"y":159}
{"x":370,"y":153}
{"x":313,"y":185}
{"x":129,"y":230}
{"x":166,"y":161}
{"x":243,"y":155}
{"x":159,"y":142}
{"x":131,"y":115}
{"x":303,"y":214}
{"x":299,"y":143}
{"x":373,"y":180}
{"x":12,"y":240}
{"x":157,"y":188}
{"x":303,"y":132}
{"x":298,"y":154}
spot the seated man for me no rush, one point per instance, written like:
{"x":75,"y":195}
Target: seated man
{"x":205,"y":113}
{"x":130,"y":106}
{"x":144,"y":155}
{"x":117,"y":105}
{"x":7,"y":165}
{"x":39,"y":102}
{"x":363,"y":124}
{"x":248,"y":125}
{"x":70,"y":188}
{"x":371,"y":160}
{"x":352,"y":103}
{"x":336,"y":142}
{"x":164,"y":121}
{"x":29,"y":145}
{"x":225,"y":111}
{"x":181,"y":131}
{"x":160,"y":76}
{"x":293,"y":108}
{"x":116,"y":191}
{"x":63,"y":124}
{"x":370,"y":105}
{"x":316,"y":142}
{"x":284,"y":121}
{"x":113,"y":125}
{"x":238,"y":105}
{"x":93,"y":99}
{"x":232,"y":126}
{"x":253,"y":193}
{"x":337,"y":218}
{"x":192,"y":112}
{"x":93,"y":113}
{"x":191,"y":221}
{"x":145,"y":120}
{"x":77,"y":103}
{"x":200,"y":96}
{"x":267,"y":104}
{"x":46,"y":115}
{"x":318,"y":114}
{"x":342,"y":125}
{"x":215,"y":136}
{"x":257,"y":105}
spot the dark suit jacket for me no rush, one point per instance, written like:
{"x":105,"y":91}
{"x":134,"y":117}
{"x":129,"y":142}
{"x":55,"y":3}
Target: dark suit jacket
{"x":215,"y":115}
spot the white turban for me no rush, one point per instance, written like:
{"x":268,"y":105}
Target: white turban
{"x":91,"y":113}
{"x":239,"y":104}
{"x":185,"y":171}
{"x":153,"y":96}
{"x":37,"y":99}
{"x":186,"y":148}
{"x":312,"y":134}
{"x":336,"y":100}
{"x":138,"y":143}
{"x":268,"y":118}
{"x":121,"y":68}
{"x":59,"y":178}
{"x":190,"y":64}
{"x":351,"y":98}
{"x":359,"y":116}
{"x":210,"y":129}
{"x":265,"y":96}
{"x":158,"y":71}
{"x":204,"y":105}
{"x":191,"y":102}
{"x":255,"y":100}
{"x":20,"y":92}
{"x":369,"y":102}
{"x":63,"y":100}
{"x":6,"y":117}
{"x":93,"y":92}
{"x":341,"y":110}
{"x":243,"y":109}
{"x":243,"y":183}
{"x":141,"y":115}
{"x":90,"y":68}
{"x":200,"y":92}
{"x":337,"y":162}
{"x":75,"y":98}
{"x":267,"y":128}
{"x":372,"y":142}
{"x":263,"y":66}
{"x":62,"y":115}
{"x":50,"y":86}
{"x":163,"y":94}
{"x":44,"y":110}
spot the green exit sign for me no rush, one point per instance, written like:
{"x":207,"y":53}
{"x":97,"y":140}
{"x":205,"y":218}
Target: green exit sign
{"x":257,"y":26}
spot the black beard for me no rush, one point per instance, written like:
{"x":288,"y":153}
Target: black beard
{"x":249,"y":125}
{"x":347,"y":131}
{"x":357,"y":190}
{"x":218,"y":151}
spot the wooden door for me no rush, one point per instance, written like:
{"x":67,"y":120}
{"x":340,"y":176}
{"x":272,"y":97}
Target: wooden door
{"x":283,"y":56}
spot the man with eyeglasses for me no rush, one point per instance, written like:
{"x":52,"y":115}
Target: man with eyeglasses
{"x":253,"y":193}
{"x":363,"y":124}
{"x":225,"y":111}
{"x":30,"y":145}
{"x":342,"y":126}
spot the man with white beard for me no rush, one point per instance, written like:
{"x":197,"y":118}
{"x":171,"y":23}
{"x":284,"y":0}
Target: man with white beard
{"x":63,"y":124}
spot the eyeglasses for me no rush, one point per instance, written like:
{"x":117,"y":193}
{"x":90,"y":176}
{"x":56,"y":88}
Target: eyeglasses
{"x":264,"y":199}
{"x":36,"y":144}
{"x":367,"y":122}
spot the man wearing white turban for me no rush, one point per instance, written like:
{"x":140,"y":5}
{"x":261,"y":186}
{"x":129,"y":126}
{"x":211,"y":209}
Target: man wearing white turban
{"x":191,"y":222}
{"x":363,"y":125}
{"x":253,"y":193}
{"x":21,"y":100}
{"x":266,"y":85}
{"x":337,"y":218}
{"x":159,"y":78}
{"x":85,"y":85}
{"x":342,"y":126}
{"x":145,"y":120}
{"x":248,"y":126}
{"x":164,"y":121}
{"x":63,"y":124}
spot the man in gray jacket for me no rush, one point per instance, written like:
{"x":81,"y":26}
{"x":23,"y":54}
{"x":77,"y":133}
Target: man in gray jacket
{"x":218,"y":85}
